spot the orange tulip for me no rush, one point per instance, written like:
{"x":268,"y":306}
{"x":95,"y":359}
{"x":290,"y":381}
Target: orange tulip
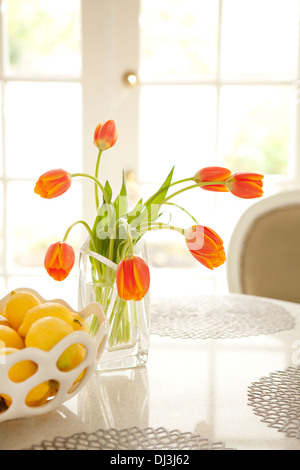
{"x":214,"y":174}
{"x":105,"y":135}
{"x":206,"y":246}
{"x":132,"y":278}
{"x":245,"y":185}
{"x":53,"y":183}
{"x":59,"y":260}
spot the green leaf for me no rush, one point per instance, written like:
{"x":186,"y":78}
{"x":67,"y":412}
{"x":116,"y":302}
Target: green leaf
{"x":121,"y":204}
{"x":152,"y":206}
{"x":160,"y":195}
{"x":108,"y":191}
{"x":133,"y":217}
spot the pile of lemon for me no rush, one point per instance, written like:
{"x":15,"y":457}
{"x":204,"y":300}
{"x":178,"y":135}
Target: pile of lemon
{"x":26,"y":321}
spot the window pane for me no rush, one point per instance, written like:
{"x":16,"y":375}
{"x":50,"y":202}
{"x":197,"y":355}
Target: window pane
{"x":177,"y":127}
{"x":178,"y":39}
{"x":260,"y":39}
{"x":255,"y":128}
{"x":43,"y":37}
{"x":33,"y":223}
{"x":43,"y":128}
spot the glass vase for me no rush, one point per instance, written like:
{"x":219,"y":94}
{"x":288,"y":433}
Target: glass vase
{"x":128,"y":341}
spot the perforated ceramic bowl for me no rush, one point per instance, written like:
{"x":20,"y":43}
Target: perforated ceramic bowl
{"x":63,"y":385}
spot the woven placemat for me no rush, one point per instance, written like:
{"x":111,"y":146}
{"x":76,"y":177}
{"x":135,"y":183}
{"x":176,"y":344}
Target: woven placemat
{"x":131,"y":439}
{"x":276,"y":399}
{"x":217,"y":316}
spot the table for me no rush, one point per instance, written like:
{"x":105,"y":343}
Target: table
{"x":238,"y":390}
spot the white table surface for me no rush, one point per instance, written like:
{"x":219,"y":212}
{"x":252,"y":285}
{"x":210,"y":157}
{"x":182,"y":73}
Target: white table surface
{"x":191,"y":385}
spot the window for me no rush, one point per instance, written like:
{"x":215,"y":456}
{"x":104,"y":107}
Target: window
{"x":217,"y":87}
{"x":218,"y":84}
{"x":41,"y":124}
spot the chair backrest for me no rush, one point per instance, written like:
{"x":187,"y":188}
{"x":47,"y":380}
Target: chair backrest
{"x":263,"y":256}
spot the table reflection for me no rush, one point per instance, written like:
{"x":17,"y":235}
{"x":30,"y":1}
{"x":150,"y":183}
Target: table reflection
{"x":118,"y":399}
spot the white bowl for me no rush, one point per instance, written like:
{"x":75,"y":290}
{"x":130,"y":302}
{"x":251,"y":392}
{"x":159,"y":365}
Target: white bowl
{"x":46,"y":362}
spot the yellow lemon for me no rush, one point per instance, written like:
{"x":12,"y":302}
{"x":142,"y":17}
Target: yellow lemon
{"x":46,"y":332}
{"x":79,"y":323}
{"x":71,"y":357}
{"x":3,"y":321}
{"x":38,"y":395}
{"x":17,"y":306}
{"x":10,"y":338}
{"x":46,"y":309}
{"x":21,"y":370}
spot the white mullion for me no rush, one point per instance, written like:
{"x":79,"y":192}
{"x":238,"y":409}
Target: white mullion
{"x":218,"y":85}
{"x":219,"y":80}
{"x":1,"y":39}
{"x":38,"y":79}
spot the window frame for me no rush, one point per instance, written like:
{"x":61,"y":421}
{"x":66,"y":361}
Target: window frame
{"x":105,"y":59}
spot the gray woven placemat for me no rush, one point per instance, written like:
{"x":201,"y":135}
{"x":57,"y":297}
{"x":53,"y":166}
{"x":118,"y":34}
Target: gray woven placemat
{"x":131,"y":439}
{"x":276,"y":399}
{"x":214,"y":317}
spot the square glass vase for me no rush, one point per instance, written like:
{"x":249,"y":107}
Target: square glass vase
{"x":129,"y":332}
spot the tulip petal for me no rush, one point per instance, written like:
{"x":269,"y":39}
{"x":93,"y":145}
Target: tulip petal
{"x":246,"y":185}
{"x":212,"y":173}
{"x":51,"y":254}
{"x":215,"y":187}
{"x":53,"y":183}
{"x":66,"y":256}
{"x":205,"y":246}
{"x":132,"y":278}
{"x":59,"y":260}
{"x":141,"y":276}
{"x":105,"y":135}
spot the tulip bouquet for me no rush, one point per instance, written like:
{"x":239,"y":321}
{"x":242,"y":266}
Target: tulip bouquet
{"x":117,"y":230}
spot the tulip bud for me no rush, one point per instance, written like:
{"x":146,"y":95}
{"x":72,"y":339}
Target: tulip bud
{"x":105,"y":135}
{"x":59,"y":260}
{"x":205,"y":246}
{"x":53,"y":183}
{"x":132,"y":278}
{"x":213,"y":174}
{"x":245,"y":185}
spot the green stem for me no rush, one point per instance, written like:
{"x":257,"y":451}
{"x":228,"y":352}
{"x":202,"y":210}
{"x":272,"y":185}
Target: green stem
{"x":160,"y":226}
{"x":184,"y":210}
{"x":208,"y":183}
{"x":87,"y":228}
{"x":96,"y":176}
{"x":91,"y":239}
{"x":97,"y":182}
{"x":130,"y":244}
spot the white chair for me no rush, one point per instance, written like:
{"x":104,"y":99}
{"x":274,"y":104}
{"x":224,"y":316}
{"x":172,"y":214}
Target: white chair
{"x":263,"y":257}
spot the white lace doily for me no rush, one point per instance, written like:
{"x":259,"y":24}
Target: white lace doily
{"x":213,"y":317}
{"x":131,"y":439}
{"x":276,"y":399}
